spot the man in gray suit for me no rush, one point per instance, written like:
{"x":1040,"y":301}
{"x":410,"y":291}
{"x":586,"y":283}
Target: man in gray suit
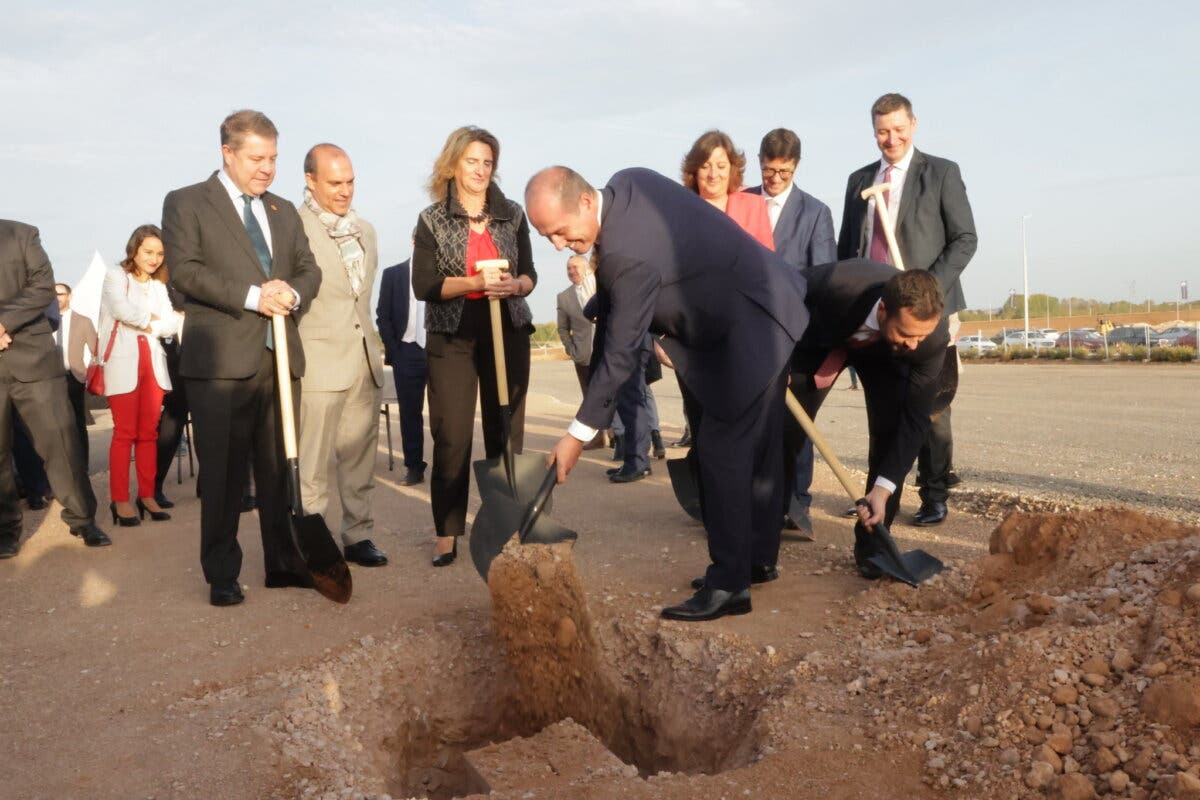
{"x":32,"y":381}
{"x":802,"y":229}
{"x":339,"y":407}
{"x":934,"y":230}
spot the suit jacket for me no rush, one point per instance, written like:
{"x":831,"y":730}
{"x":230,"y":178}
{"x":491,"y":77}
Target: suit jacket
{"x":935,"y":230}
{"x":213,"y":264}
{"x":840,"y":295}
{"x":26,"y":288}
{"x":81,"y":338}
{"x":804,"y":233}
{"x":391,"y":313}
{"x":574,"y":328}
{"x":118,"y":306}
{"x":337,"y":325}
{"x":727,"y":311}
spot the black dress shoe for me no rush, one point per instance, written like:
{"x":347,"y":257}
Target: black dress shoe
{"x":124,"y":522}
{"x":9,"y":546}
{"x":709,"y":604}
{"x":685,"y":440}
{"x":413,"y":476}
{"x":618,"y":448}
{"x":930,"y":514}
{"x":799,"y":522}
{"x":157,"y":516}
{"x":225,"y":594}
{"x":656,"y":443}
{"x":249,"y":503}
{"x":952,"y":479}
{"x":365,"y":554}
{"x":281,"y":579}
{"x":91,"y":535}
{"x":446,"y":559}
{"x":36,"y":502}
{"x":162,"y":500}
{"x":624,"y":475}
{"x":758,"y":574}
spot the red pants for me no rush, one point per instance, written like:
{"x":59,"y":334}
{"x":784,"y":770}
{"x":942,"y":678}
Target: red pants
{"x":135,"y":426}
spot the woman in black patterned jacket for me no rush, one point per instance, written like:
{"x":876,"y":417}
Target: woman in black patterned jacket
{"x":470,"y":220}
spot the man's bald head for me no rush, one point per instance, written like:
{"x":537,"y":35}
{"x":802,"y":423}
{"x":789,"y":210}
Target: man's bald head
{"x":562,"y":206}
{"x":329,"y":175}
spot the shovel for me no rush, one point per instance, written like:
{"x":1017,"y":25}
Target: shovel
{"x":501,"y":517}
{"x":516,"y":476}
{"x":913,"y":567}
{"x":331,"y":576}
{"x":685,"y":484}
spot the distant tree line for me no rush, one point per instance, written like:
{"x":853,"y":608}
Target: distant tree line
{"x":1041,"y":304}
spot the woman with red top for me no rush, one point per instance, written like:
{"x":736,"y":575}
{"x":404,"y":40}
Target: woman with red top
{"x":713,"y":168}
{"x":469,"y":221}
{"x":135,"y":313}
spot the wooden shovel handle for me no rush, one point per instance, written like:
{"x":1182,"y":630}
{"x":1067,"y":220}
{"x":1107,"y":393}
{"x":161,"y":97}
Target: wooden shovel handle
{"x":498,"y":352}
{"x":885,"y":220}
{"x":822,"y":446}
{"x":283,"y":372}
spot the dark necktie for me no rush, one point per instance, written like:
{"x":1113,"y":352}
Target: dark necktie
{"x":879,"y":246}
{"x":256,"y":235}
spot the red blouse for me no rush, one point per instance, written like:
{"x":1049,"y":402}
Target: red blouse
{"x":750,"y":212}
{"x":480,"y":247}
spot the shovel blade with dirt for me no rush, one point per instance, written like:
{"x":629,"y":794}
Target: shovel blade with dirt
{"x":501,"y":517}
{"x":685,"y":482}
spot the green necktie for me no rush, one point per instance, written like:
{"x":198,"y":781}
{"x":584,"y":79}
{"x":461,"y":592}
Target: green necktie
{"x":260,"y":249}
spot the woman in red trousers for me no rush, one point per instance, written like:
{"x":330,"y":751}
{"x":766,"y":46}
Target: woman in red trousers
{"x":135,"y":312}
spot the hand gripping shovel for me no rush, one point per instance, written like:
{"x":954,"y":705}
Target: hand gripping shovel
{"x":331,"y":576}
{"x":912,"y":567}
{"x":501,"y":517}
{"x":516,"y":476}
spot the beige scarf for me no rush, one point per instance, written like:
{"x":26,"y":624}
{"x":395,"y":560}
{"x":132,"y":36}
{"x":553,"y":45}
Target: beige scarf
{"x":347,"y":235}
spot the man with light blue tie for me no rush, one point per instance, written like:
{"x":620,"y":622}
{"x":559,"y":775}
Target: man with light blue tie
{"x":802,"y":227}
{"x":239,"y":255}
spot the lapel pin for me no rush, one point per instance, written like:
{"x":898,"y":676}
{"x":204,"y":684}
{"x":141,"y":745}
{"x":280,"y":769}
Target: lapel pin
{"x":273,"y":208}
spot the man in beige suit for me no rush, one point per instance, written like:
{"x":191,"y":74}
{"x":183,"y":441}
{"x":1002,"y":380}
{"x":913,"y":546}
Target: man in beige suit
{"x":77,"y":338}
{"x":339,"y":404}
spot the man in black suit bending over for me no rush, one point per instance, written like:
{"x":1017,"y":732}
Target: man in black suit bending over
{"x":726,"y":313}
{"x":240,"y":256}
{"x":888,"y":325}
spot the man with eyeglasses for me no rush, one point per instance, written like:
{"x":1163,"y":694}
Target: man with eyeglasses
{"x":802,"y":227}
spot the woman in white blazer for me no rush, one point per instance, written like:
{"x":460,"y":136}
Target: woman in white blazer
{"x":135,"y":312}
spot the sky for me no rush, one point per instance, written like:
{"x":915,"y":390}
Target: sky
{"x":1080,"y":115}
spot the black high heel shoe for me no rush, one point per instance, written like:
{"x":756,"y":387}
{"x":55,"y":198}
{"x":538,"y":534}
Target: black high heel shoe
{"x":446,"y":559}
{"x":157,"y":516}
{"x":124,"y":522}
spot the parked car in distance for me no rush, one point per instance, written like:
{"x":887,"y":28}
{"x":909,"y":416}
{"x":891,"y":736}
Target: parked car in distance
{"x":978,"y":344}
{"x":1049,"y":333}
{"x":1080,"y":340}
{"x":1128,"y":334}
{"x":1178,"y":336}
{"x":1035,"y":340}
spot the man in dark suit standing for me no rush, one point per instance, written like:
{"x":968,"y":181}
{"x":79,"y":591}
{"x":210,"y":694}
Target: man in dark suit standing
{"x":802,"y":228}
{"x":401,"y":320}
{"x":934,"y":231}
{"x":889,"y":326}
{"x":726,"y":313}
{"x":239,"y":256}
{"x":33,"y":382}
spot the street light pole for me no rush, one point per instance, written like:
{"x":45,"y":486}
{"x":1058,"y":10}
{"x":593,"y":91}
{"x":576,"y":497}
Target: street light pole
{"x":1025,"y":266}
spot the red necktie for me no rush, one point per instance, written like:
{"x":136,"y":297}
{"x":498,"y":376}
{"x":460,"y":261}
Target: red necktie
{"x":832,"y":365}
{"x":879,"y":248}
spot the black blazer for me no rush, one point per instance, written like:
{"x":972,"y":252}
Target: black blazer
{"x":727,"y":310}
{"x":840,"y":296}
{"x":804,"y":233}
{"x":213,"y":264}
{"x":935,"y":230}
{"x":391,"y":312}
{"x":26,"y":289}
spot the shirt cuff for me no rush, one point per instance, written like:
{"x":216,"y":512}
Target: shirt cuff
{"x":885,"y":483}
{"x":252,"y":298}
{"x":296,"y":304}
{"x":581,"y":432}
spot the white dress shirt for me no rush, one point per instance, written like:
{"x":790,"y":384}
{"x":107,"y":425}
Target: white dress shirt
{"x":775,"y":204}
{"x":414,"y":332}
{"x":260,"y":213}
{"x":899,"y":172}
{"x":577,"y":429}
{"x":64,"y":336}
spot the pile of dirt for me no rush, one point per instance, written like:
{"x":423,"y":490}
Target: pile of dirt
{"x":1066,"y":662}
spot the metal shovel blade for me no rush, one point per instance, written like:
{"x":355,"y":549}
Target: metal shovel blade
{"x":947,"y":382}
{"x":491,"y":477}
{"x":686,"y":484}
{"x":322,"y":556}
{"x":914,"y":567}
{"x":500,"y":518}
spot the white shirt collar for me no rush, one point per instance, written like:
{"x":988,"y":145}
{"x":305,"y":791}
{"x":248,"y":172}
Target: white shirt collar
{"x":782,"y":197}
{"x":902,"y":164}
{"x":872,"y":321}
{"x":235,"y":193}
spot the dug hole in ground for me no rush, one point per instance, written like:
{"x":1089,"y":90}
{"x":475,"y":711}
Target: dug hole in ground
{"x":1064,"y":664}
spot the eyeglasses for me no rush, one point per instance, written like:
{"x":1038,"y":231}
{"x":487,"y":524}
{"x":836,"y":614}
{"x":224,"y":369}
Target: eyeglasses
{"x":783,"y":173}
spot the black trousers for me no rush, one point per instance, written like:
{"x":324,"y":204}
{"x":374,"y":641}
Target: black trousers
{"x":739,"y":462}
{"x":31,"y":472}
{"x":45,"y":409}
{"x":935,"y":459}
{"x":633,"y":408}
{"x":459,"y":367}
{"x":883,"y":389}
{"x":410,"y":372}
{"x":236,"y":421}
{"x":77,"y":394}
{"x":174,"y":416}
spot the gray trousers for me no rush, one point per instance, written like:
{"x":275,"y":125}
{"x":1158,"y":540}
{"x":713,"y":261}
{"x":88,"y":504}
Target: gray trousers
{"x":339,"y":434}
